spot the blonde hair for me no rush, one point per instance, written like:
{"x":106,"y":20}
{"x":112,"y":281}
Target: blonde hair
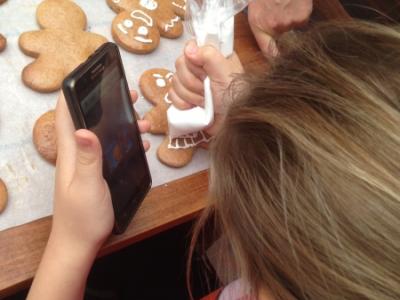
{"x":305,"y":172}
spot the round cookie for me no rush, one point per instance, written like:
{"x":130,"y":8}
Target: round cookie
{"x":135,"y":32}
{"x":3,"y":196}
{"x":44,"y":136}
{"x":2,"y":1}
{"x":3,"y":43}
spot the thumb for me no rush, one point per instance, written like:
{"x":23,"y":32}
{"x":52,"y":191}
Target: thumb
{"x":266,"y":43}
{"x":207,"y":58}
{"x":88,"y":165}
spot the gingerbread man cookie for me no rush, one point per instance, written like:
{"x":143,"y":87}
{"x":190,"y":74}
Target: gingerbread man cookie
{"x":44,"y":136}
{"x":140,"y":23}
{"x":154,"y":85}
{"x":59,"y":47}
{"x":3,"y":196}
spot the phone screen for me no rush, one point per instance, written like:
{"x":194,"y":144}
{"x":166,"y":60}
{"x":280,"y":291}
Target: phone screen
{"x":107,"y":111}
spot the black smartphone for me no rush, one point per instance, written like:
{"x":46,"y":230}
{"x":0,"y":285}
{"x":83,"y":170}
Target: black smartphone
{"x":98,"y":99}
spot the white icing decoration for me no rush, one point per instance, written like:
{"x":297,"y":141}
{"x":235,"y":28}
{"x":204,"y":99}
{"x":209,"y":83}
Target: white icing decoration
{"x":179,"y":6}
{"x":161,"y":82}
{"x":116,"y":1}
{"x":122,"y":28}
{"x":189,"y":141}
{"x":128,"y":23}
{"x":143,"y":40}
{"x":149,"y":4}
{"x":171,"y":23}
{"x":142,"y":30}
{"x":166,"y":99}
{"x":141,"y":15}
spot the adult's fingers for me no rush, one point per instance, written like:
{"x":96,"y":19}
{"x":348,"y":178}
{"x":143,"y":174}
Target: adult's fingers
{"x":266,"y":42}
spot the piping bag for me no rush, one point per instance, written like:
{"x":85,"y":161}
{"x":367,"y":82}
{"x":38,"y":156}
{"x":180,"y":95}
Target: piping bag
{"x":212,"y":23}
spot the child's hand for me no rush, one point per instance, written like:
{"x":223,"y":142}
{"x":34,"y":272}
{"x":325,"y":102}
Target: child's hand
{"x":83,"y":213}
{"x":192,"y":68}
{"x":270,"y":18}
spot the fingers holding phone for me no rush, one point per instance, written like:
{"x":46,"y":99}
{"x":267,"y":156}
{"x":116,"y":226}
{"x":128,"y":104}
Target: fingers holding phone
{"x":82,"y":197}
{"x":99,"y":100}
{"x":79,"y":168}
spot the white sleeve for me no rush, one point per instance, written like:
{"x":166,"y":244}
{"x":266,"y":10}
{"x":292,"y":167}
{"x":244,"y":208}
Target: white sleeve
{"x":236,"y":290}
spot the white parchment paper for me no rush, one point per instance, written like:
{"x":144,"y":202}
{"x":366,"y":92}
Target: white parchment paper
{"x":30,"y":179}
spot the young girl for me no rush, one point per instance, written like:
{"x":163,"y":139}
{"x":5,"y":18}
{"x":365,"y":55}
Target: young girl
{"x":305,"y":168}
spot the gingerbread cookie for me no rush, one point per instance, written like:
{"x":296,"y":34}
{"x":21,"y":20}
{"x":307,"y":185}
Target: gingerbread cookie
{"x":3,"y":196}
{"x":140,"y":23}
{"x":59,"y":47}
{"x":44,"y":136}
{"x":154,"y":85}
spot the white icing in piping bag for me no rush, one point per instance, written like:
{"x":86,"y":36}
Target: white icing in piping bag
{"x":213,"y":24}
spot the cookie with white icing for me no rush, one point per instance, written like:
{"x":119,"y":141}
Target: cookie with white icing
{"x":140,"y":23}
{"x":135,"y":32}
{"x":154,"y":85}
{"x":3,"y":196}
{"x":59,"y":47}
{"x":179,"y":7}
{"x":44,"y":136}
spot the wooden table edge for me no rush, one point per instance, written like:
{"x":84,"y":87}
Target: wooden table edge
{"x":18,"y":269}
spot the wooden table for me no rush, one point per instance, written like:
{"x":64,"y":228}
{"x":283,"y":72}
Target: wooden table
{"x":166,"y":206}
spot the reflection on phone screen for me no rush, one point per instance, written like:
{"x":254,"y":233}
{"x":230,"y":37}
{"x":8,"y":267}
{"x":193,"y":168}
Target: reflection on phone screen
{"x":107,"y":113}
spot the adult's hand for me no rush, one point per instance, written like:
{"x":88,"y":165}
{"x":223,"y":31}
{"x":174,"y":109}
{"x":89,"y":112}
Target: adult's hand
{"x":270,"y":18}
